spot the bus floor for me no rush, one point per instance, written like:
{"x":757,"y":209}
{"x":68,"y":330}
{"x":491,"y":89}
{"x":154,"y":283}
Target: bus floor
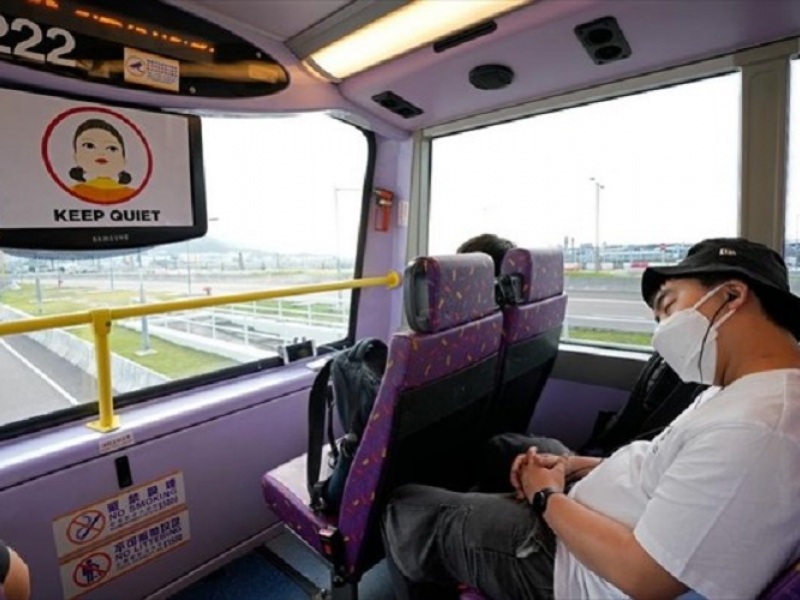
{"x":259,"y":576}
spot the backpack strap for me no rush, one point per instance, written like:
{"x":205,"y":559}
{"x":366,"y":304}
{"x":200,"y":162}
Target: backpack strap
{"x":317,"y":402}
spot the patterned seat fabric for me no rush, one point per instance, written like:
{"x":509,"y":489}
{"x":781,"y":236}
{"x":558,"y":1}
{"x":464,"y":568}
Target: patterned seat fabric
{"x":531,"y":330}
{"x":427,"y":422}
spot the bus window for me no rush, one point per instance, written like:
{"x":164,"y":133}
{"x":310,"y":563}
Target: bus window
{"x":284,"y":199}
{"x":618,"y":185}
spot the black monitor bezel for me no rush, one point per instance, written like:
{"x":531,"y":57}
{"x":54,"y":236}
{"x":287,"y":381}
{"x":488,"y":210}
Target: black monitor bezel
{"x":117,"y":238}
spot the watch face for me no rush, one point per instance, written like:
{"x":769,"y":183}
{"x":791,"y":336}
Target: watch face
{"x":539,"y":501}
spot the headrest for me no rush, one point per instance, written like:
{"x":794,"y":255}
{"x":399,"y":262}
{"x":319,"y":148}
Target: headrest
{"x":541,"y":270}
{"x":441,"y":292}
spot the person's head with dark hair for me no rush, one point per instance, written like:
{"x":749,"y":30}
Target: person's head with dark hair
{"x":490,"y":244}
{"x":99,"y":152}
{"x":724,"y":311}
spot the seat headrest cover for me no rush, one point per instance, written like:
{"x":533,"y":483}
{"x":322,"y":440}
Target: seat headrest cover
{"x":542,"y":271}
{"x":441,"y":292}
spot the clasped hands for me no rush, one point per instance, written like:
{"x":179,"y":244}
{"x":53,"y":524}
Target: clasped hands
{"x":532,"y":471}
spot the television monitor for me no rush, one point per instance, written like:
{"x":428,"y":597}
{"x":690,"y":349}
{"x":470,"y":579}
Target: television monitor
{"x":80,"y":175}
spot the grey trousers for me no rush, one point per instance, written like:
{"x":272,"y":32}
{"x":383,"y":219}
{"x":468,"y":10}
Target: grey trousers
{"x":436,"y":539}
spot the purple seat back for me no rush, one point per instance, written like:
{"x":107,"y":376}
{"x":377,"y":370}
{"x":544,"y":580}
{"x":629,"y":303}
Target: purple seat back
{"x":427,"y":420}
{"x":786,"y":587}
{"x":531,"y":331}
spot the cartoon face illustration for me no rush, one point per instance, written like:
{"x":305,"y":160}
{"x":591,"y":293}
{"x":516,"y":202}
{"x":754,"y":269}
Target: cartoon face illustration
{"x":99,"y":152}
{"x":97,"y":155}
{"x":100,"y":158}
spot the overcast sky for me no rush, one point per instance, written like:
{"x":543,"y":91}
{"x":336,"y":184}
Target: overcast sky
{"x":271,"y":183}
{"x":668,"y":161}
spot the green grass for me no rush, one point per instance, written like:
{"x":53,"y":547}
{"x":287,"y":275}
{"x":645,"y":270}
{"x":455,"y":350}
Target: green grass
{"x":66,"y":300}
{"x":611,"y":337}
{"x":171,"y":360}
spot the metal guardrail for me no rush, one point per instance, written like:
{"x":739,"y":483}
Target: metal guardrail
{"x":101,"y":319}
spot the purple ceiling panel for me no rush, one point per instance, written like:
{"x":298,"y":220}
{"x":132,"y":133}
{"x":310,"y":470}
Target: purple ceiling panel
{"x":539,"y":44}
{"x":281,"y":19}
{"x":305,"y":92}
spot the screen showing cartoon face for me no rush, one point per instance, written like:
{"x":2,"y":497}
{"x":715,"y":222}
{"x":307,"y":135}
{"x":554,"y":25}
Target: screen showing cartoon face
{"x":78,"y":164}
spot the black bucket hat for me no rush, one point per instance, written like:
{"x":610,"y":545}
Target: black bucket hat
{"x":755,"y":263}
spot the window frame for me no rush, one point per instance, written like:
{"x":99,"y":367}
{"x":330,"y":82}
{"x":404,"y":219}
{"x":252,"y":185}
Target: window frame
{"x":159,"y":392}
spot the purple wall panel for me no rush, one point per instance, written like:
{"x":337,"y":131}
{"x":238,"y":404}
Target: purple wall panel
{"x":386,"y":250}
{"x":222,"y":454}
{"x":566,"y":410}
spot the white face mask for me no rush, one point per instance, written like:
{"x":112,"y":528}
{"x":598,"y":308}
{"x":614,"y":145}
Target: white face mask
{"x":688,"y":342}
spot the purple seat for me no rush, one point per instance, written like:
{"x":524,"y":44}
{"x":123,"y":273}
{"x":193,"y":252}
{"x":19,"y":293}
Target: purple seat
{"x":531,"y":331}
{"x":427,"y":423}
{"x":785,"y":587}
{"x":470,"y":594}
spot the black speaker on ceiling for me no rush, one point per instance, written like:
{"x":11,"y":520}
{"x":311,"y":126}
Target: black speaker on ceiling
{"x":603,"y":40}
{"x":491,"y":77}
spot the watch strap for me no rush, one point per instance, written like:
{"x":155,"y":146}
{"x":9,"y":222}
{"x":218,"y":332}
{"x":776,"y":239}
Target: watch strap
{"x":540,"y":499}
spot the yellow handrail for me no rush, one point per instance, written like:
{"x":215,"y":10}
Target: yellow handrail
{"x":101,"y":319}
{"x":390,"y":280}
{"x":40,"y":323}
{"x":101,"y":326}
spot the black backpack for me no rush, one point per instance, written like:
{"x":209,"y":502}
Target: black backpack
{"x":657,"y":398}
{"x":349,"y":382}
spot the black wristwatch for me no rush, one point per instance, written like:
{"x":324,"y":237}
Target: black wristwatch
{"x":540,"y":498}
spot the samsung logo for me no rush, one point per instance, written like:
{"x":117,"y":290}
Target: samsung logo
{"x":116,"y":237}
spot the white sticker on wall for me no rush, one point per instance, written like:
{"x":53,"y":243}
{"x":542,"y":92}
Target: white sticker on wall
{"x":96,"y":567}
{"x":402,"y":213}
{"x":111,"y":443}
{"x":91,"y":525}
{"x":152,"y":70}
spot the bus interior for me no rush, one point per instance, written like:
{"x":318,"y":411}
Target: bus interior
{"x":158,"y":355}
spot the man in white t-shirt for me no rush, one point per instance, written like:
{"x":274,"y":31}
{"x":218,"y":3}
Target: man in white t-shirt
{"x":709,"y":505}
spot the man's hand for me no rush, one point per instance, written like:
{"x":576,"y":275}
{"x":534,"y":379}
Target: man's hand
{"x":532,"y":471}
{"x":541,"y":471}
{"x":516,"y":473}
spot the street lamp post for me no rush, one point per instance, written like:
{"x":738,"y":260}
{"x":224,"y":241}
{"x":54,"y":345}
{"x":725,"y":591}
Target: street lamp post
{"x":188,"y":269}
{"x":797,"y":231}
{"x":336,"y":226}
{"x":597,"y":187}
{"x":336,"y":230}
{"x":145,"y":349}
{"x":38,"y":288}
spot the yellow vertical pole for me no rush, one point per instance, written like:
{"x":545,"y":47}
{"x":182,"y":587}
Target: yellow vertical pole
{"x":101,"y":327}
